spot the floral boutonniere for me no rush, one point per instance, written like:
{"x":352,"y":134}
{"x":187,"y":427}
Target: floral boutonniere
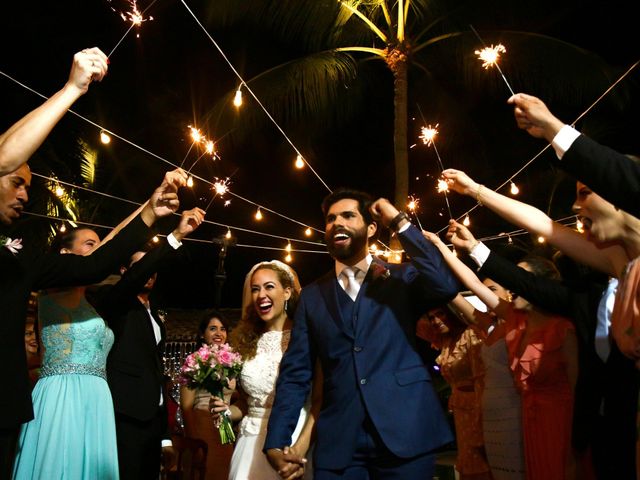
{"x":379,"y":271}
{"x":13,"y":245}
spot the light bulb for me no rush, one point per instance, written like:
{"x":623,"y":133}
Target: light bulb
{"x":299,"y":162}
{"x":467,"y":221}
{"x":514,"y":189}
{"x":237,"y":99}
{"x":258,"y":214}
{"x":104,"y":137}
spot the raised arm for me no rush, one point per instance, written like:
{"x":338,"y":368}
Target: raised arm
{"x":610,"y":174}
{"x":536,"y":222}
{"x":468,"y":278}
{"x":23,"y":138}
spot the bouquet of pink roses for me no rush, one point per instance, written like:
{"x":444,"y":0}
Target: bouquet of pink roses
{"x":210,"y":368}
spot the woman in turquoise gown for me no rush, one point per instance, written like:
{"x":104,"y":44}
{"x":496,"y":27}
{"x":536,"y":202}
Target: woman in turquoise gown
{"x":73,"y":433}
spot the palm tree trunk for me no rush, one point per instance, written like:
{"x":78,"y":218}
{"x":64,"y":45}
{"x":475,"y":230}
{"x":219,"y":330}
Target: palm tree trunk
{"x":398,"y":63}
{"x":400,"y":150}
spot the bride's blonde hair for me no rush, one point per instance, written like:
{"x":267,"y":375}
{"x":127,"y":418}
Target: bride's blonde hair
{"x":250,"y":327}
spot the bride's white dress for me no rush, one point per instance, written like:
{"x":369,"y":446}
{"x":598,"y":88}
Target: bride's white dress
{"x":258,"y":380}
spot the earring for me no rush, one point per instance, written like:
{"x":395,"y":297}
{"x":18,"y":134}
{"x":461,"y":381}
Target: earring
{"x":286,"y":302}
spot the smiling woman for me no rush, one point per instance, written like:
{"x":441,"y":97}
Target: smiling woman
{"x":198,"y":420}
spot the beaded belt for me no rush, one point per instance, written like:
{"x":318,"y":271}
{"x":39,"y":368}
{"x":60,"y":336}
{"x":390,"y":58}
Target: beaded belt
{"x":72,"y":368}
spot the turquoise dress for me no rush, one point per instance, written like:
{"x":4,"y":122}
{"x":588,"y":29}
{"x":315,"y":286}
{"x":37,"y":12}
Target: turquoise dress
{"x":73,"y":434}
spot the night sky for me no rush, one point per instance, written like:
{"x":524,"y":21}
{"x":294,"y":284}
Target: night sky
{"x":172,"y":76}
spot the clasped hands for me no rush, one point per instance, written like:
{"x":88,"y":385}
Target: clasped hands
{"x":288,"y":462}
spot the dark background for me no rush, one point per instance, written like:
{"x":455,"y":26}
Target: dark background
{"x":172,"y":76}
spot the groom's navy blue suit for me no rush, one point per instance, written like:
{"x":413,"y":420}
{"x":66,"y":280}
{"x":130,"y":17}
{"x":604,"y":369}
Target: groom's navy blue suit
{"x":372,"y":373}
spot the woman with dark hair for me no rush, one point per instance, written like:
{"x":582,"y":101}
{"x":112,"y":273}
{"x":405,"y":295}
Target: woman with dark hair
{"x":542,"y":351}
{"x":271,"y":292}
{"x":198,"y":422}
{"x":71,"y":400}
{"x":462,"y":368}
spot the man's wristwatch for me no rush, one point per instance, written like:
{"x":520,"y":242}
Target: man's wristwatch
{"x":393,"y":225}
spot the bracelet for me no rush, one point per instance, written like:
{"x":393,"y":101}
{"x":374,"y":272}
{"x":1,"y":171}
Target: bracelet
{"x":393,"y":225}
{"x":479,"y":194}
{"x":227,"y":413}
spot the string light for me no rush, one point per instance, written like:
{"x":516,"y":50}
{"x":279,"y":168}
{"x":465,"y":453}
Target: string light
{"x":397,"y":257}
{"x":258,"y":215}
{"x":288,"y":247}
{"x":190,"y":181}
{"x":237,"y":99}
{"x":288,"y":258}
{"x":308,"y":232}
{"x":299,"y":162}
{"x":514,"y":189}
{"x":63,"y":228}
{"x":155,"y":239}
{"x":104,"y":137}
{"x":228,"y":234}
{"x":540,"y":239}
{"x":59,"y":191}
{"x":467,"y":221}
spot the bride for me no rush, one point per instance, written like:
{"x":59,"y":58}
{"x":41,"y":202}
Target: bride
{"x":271,"y":291}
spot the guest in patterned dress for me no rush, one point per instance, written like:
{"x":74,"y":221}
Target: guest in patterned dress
{"x":462,"y":368}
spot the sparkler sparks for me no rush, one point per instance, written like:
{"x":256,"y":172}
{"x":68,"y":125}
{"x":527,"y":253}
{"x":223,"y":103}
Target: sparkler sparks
{"x":443,"y":186}
{"x":429,"y":134}
{"x":221,"y":186}
{"x":490,"y":55}
{"x":413,"y":207}
{"x":135,"y":16}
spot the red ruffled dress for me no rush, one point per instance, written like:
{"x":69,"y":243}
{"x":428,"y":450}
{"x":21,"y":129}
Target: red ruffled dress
{"x":540,"y":371}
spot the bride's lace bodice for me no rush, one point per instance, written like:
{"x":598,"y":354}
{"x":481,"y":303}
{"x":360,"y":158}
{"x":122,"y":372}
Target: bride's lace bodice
{"x":76,"y":340}
{"x":258,"y":380}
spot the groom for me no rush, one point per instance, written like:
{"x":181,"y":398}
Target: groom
{"x":380,"y":416}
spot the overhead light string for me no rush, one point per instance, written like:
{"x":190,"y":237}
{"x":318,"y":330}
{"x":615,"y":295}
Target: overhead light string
{"x":255,"y":97}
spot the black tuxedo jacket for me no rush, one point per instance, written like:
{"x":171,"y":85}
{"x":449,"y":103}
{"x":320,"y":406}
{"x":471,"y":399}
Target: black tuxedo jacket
{"x":134,"y":366}
{"x":614,"y":382}
{"x":610,"y":174}
{"x":24,"y":272}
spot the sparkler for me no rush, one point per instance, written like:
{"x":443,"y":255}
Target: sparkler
{"x":135,"y":16}
{"x":490,"y":56}
{"x":413,"y":208}
{"x":220,"y":187}
{"x":196,"y":136}
{"x":428,"y":137}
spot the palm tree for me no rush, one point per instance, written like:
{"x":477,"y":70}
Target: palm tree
{"x":402,"y":33}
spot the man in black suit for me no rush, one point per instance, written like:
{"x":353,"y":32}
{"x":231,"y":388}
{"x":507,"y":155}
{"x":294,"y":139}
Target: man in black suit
{"x":134,"y":365}
{"x":607,"y":388}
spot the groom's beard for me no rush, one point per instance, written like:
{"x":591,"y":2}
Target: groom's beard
{"x":357,"y":242}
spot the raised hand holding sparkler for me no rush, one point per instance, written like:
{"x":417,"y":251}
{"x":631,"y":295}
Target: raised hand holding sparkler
{"x":490,"y":56}
{"x":89,"y":65}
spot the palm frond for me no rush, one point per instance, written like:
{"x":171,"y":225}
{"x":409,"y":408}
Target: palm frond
{"x":305,"y":89}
